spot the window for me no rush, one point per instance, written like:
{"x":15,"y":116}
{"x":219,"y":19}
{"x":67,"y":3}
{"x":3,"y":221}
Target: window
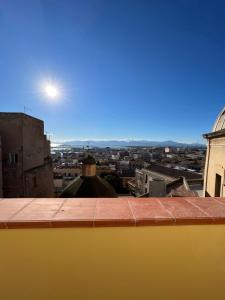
{"x":217,"y":185}
{"x":13,"y":158}
{"x":146,"y":178}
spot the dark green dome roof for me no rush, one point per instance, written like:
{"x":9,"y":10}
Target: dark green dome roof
{"x":89,"y":160}
{"x":89,"y":187}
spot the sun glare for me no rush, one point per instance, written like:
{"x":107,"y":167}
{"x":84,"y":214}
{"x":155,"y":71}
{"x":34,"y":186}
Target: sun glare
{"x":51,"y":91}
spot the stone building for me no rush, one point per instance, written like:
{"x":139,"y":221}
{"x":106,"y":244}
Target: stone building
{"x":215,"y":159}
{"x":1,"y":187}
{"x":26,"y":161}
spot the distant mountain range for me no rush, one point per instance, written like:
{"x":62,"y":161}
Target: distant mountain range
{"x":129,"y":143}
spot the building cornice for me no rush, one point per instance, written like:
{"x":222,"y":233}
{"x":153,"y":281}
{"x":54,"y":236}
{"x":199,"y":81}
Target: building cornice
{"x":215,"y":134}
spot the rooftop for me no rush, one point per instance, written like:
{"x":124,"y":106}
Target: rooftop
{"x":56,"y":212}
{"x":175,"y":173}
{"x":18,"y":114}
{"x":88,"y":186}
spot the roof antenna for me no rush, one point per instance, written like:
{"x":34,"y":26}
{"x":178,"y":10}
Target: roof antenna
{"x":25,"y":109}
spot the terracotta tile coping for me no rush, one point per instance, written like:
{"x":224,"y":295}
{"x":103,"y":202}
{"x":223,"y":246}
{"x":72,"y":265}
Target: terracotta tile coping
{"x":56,"y":212}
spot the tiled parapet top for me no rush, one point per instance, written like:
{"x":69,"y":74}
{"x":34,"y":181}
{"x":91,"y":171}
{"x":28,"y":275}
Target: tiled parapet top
{"x":57,"y":212}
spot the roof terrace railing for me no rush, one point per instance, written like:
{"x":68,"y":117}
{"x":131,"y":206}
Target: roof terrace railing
{"x":92,"y":212}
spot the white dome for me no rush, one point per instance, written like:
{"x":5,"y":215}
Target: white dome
{"x":220,"y":122}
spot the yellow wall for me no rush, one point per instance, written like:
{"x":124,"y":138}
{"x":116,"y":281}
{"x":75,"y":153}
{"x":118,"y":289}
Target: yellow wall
{"x":215,"y":163}
{"x":120,"y":263}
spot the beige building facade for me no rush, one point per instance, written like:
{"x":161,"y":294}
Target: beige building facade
{"x":214,"y":179}
{"x":26,"y":161}
{"x":1,"y":187}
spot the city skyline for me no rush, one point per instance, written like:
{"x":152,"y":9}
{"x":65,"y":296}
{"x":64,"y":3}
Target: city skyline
{"x":131,"y":70}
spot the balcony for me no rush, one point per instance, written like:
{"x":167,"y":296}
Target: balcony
{"x":146,"y":248}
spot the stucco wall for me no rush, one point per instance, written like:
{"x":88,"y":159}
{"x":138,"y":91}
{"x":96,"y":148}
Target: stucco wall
{"x":215,"y":164}
{"x":1,"y":186}
{"x":150,"y":262}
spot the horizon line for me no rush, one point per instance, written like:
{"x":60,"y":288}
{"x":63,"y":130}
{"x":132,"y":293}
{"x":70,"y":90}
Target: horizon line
{"x":59,"y":141}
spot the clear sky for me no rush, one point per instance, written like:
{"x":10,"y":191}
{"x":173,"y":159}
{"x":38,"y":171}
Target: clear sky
{"x":126,"y":69}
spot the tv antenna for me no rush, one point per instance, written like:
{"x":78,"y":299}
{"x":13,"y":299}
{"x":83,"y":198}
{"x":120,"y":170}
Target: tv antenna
{"x":25,"y":109}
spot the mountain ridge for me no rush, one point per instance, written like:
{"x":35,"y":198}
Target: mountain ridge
{"x":129,"y":143}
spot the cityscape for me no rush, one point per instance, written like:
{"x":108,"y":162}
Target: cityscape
{"x":130,"y":170}
{"x":32,"y":168}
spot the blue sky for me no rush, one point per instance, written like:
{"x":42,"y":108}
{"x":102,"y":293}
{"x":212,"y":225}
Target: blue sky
{"x":126,"y":69}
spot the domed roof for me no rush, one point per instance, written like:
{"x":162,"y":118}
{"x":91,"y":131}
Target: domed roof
{"x":89,"y":160}
{"x":89,"y":187}
{"x":220,"y":122}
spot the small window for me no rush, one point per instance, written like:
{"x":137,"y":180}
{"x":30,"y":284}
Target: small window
{"x":217,"y":185}
{"x":146,"y":178}
{"x":13,"y":158}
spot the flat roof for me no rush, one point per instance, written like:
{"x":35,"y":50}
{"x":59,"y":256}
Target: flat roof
{"x":21,"y":114}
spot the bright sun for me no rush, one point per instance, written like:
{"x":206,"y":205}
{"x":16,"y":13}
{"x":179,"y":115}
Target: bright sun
{"x":51,"y":91}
